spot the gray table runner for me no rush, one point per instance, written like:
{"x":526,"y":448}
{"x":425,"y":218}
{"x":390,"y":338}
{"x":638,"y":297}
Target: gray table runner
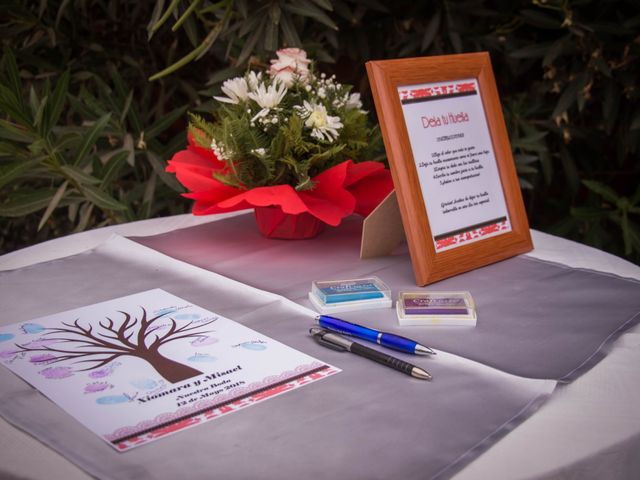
{"x":535,"y":319}
{"x":366,"y":422}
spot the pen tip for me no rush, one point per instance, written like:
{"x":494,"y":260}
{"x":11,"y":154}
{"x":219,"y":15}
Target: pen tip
{"x":422,"y":350}
{"x":420,"y":373}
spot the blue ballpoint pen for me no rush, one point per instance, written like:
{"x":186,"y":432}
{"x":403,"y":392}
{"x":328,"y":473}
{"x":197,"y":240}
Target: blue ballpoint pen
{"x":385,"y":339}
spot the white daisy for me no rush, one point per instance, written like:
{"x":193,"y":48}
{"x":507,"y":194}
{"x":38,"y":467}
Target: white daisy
{"x":323,"y":126}
{"x":268,"y":97}
{"x":254,"y":79}
{"x":236,"y":89}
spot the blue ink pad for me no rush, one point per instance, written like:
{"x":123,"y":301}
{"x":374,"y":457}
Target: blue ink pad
{"x":343,"y":295}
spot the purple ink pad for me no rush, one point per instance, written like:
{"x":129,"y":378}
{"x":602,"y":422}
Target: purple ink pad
{"x":436,"y":308}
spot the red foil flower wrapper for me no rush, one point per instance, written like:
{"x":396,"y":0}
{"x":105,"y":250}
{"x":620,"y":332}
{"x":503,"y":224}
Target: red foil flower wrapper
{"x":338,"y":192}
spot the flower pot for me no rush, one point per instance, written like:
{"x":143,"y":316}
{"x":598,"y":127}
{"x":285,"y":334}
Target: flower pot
{"x":274,"y":223}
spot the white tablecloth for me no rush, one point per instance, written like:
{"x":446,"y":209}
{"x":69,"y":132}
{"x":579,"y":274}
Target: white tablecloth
{"x":589,"y":429}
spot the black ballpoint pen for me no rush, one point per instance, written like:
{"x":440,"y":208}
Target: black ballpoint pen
{"x":338,"y":342}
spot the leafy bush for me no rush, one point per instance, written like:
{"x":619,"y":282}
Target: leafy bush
{"x":96,"y":101}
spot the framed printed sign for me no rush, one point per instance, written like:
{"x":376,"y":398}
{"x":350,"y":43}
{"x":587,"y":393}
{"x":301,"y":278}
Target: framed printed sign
{"x":450,"y":157}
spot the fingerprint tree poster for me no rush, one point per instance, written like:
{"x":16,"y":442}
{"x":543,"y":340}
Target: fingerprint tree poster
{"x":140,"y":367}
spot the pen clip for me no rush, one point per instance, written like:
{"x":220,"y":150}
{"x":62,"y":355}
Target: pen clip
{"x":317,"y":334}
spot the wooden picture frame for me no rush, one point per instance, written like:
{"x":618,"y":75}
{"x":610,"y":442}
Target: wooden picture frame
{"x":442,"y":155}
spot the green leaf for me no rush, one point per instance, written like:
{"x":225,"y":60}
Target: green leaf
{"x":454,"y":36}
{"x":164,"y":122}
{"x":289,"y":31}
{"x":154,"y":28}
{"x":53,"y":204}
{"x":155,"y":16}
{"x":92,"y":137}
{"x":147,"y":197}
{"x":127,"y":146}
{"x":538,"y":50}
{"x":568,"y":97}
{"x":85,"y":215}
{"x":431,"y":31}
{"x":533,"y":141}
{"x":10,"y":149}
{"x":56,"y":102}
{"x":570,"y":171}
{"x":101,"y":198}
{"x":23,"y":204}
{"x":113,"y":166}
{"x":194,"y":54}
{"x":525,"y":159}
{"x":159,"y":167}
{"x":191,"y":29}
{"x":307,"y":9}
{"x":79,"y":176}
{"x":602,"y":66}
{"x":634,"y":236}
{"x":39,"y":114}
{"x":13,"y":75}
{"x":326,"y":4}
{"x":14,"y":106}
{"x":583,"y":80}
{"x":603,"y":190}
{"x":525,"y":169}
{"x":126,"y":108}
{"x":540,"y":19}
{"x":122,"y":101}
{"x":11,"y":131}
{"x":556,"y":49}
{"x":525,"y":184}
{"x":14,"y":170}
{"x":250,"y":43}
{"x":271,"y":36}
{"x":61,"y":9}
{"x":588,"y":213}
{"x":187,"y":13}
{"x":626,"y":233}
{"x":275,"y":13}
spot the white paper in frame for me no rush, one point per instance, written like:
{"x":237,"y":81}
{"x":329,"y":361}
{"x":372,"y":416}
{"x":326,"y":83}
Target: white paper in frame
{"x":450,"y":158}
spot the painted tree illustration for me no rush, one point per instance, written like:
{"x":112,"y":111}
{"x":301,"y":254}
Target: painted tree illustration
{"x":134,"y":337}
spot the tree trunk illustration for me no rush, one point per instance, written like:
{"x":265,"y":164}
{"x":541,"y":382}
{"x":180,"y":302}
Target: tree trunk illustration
{"x":170,"y":370}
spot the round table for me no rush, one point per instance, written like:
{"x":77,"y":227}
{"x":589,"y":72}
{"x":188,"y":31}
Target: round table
{"x":588,"y":429}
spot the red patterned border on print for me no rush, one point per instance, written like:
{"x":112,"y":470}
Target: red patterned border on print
{"x":452,"y":89}
{"x":472,"y":235}
{"x":125,"y":438}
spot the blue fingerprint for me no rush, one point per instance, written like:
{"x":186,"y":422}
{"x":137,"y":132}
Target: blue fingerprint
{"x":253,"y":346}
{"x":112,"y":399}
{"x":187,"y":316}
{"x":202,"y":357}
{"x":165,"y":311}
{"x":144,"y":383}
{"x":6,"y":336}
{"x":32,"y":328}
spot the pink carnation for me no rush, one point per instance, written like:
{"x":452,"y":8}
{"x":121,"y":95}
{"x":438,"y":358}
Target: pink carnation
{"x":291,"y":64}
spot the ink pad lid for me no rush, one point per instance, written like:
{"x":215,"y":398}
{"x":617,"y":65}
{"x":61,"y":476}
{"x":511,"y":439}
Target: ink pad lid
{"x":329,"y":296}
{"x":436,"y":308}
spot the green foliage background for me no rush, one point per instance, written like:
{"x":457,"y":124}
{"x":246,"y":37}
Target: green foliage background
{"x":94,"y":95}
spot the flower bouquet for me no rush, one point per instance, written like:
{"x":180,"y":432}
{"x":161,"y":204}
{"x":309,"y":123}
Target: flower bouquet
{"x":285,"y":144}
